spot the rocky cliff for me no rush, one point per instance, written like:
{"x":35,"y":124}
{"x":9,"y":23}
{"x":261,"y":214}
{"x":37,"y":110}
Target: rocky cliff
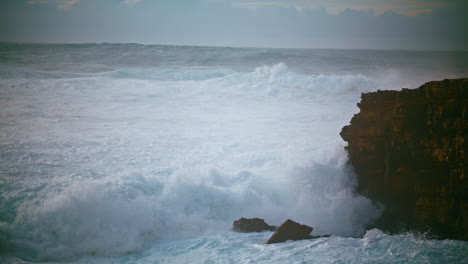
{"x":409,"y":150}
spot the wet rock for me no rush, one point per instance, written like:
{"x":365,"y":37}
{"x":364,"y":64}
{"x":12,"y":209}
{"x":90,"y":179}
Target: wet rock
{"x":246,"y":225}
{"x":409,"y":149}
{"x":290,"y":230}
{"x":313,"y":237}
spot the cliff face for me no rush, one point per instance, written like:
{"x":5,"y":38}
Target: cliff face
{"x":409,"y":150}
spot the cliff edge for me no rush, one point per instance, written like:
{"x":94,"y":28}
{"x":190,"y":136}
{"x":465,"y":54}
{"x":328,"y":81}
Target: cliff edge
{"x":409,"y":151}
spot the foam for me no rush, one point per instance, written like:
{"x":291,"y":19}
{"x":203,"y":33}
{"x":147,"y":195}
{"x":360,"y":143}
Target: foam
{"x":108,"y":163}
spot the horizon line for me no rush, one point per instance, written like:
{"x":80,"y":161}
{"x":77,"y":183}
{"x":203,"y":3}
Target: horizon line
{"x":222,"y":46}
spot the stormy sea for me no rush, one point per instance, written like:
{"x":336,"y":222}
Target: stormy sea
{"x":129,"y":153}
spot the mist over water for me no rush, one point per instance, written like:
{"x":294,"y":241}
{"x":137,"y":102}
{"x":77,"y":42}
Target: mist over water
{"x":111,"y":149}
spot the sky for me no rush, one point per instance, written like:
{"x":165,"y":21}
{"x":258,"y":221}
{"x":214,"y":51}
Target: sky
{"x":335,"y":24}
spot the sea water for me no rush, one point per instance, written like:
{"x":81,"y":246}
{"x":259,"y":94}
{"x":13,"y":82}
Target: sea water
{"x":128,"y":153}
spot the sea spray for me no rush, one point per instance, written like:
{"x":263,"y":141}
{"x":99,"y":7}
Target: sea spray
{"x":187,"y":157}
{"x":112,"y":157}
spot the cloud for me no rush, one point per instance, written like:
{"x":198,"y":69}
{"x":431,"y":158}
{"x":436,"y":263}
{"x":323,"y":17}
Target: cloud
{"x":412,"y":12}
{"x":404,"y":7}
{"x":360,"y":24}
{"x":254,"y":5}
{"x":131,"y":3}
{"x":59,"y":3}
{"x":65,"y":4}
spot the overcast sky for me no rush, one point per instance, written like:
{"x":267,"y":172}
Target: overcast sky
{"x":348,"y":24}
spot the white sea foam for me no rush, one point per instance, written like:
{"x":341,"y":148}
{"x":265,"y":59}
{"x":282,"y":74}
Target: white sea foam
{"x":110,"y":162}
{"x":137,"y":159}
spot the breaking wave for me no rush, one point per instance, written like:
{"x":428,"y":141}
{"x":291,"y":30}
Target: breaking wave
{"x":107,"y":156}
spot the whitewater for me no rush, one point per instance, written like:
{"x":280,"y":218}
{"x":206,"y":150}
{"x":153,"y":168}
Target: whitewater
{"x":129,"y":153}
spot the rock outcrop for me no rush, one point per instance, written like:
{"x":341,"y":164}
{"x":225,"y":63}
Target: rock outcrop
{"x":409,"y":151}
{"x":290,"y":230}
{"x":246,"y":225}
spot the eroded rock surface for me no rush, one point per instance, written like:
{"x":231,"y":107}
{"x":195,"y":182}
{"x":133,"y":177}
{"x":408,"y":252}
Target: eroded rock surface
{"x":290,"y":230}
{"x":246,"y":225}
{"x":409,"y":150}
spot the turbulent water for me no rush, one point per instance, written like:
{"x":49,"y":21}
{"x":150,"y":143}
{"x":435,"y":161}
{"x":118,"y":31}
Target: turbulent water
{"x":126,"y":153}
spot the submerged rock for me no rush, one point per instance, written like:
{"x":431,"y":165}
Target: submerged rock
{"x":246,"y":225}
{"x":409,"y":151}
{"x":290,"y":230}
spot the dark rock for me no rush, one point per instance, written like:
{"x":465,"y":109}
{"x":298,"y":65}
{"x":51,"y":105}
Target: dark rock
{"x":246,"y":225}
{"x":290,"y":230}
{"x":409,"y":151}
{"x":313,"y":237}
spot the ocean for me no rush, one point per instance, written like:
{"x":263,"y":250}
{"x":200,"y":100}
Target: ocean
{"x":129,"y":153}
